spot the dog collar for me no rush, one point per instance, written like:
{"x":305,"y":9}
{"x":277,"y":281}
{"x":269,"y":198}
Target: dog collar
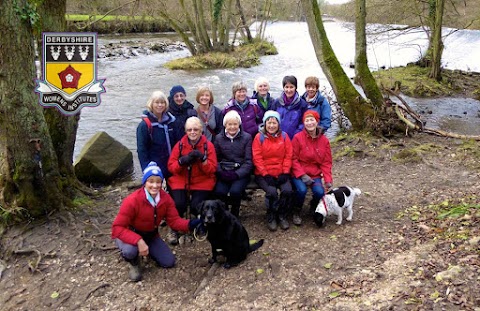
{"x":325,"y":206}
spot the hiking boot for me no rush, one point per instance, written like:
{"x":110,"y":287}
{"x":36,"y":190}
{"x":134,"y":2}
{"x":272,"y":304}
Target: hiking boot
{"x":297,"y":220}
{"x":283,"y":223}
{"x":172,"y":237}
{"x":271,"y":222}
{"x":135,"y":273}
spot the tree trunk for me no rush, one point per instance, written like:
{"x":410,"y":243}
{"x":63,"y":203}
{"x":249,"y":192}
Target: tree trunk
{"x":225,"y":26}
{"x":363,"y":75}
{"x":437,"y":43}
{"x":29,"y":175}
{"x":244,"y":21}
{"x":62,"y":129}
{"x":191,"y":27}
{"x":200,"y":25}
{"x":351,"y":101}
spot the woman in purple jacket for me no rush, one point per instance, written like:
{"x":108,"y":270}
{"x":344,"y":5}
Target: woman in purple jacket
{"x":291,"y":107}
{"x":248,"y":109}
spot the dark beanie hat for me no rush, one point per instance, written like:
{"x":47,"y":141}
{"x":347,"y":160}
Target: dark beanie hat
{"x":177,"y":89}
{"x":289,"y":79}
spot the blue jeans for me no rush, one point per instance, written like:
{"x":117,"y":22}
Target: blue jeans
{"x":157,"y":250}
{"x":301,"y":191}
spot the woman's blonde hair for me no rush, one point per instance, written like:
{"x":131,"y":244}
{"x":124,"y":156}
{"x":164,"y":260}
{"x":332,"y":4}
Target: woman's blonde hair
{"x":195,"y":121}
{"x":202,"y":90}
{"x":261,"y":80}
{"x":157,"y":95}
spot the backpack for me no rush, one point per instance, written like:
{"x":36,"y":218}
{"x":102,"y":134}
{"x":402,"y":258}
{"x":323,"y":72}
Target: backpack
{"x":262,"y":136}
{"x":149,"y":125}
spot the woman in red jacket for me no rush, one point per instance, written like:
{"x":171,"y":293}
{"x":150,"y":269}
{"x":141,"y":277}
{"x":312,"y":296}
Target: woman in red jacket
{"x":135,"y":229}
{"x":193,"y":164}
{"x":312,"y":161}
{"x":272,"y":157}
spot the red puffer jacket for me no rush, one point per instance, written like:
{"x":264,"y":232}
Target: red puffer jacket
{"x":136,"y":212}
{"x":202,"y":174}
{"x":273,"y":156}
{"x":312,"y":156}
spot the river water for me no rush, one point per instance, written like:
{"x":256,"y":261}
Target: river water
{"x":129,"y":82}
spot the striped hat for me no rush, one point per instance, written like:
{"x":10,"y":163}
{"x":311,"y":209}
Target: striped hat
{"x":152,"y":169}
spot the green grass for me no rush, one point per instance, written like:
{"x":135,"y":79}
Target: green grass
{"x":107,"y":18}
{"x":414,"y":81}
{"x":246,"y":55}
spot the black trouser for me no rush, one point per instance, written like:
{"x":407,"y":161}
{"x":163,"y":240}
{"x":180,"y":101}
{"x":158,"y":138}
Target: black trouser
{"x":181,"y":200}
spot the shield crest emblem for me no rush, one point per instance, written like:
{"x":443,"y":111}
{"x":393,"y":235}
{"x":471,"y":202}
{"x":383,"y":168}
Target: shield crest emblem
{"x":69,"y":72}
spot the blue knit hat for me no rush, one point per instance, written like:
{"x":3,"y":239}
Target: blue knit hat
{"x":152,"y":169}
{"x":177,"y":89}
{"x":269,"y":114}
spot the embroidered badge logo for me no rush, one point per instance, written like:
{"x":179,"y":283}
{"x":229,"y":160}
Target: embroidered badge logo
{"x":69,"y":72}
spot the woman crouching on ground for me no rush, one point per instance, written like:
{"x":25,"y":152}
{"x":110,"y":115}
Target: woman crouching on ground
{"x":272,"y":157}
{"x":135,"y":229}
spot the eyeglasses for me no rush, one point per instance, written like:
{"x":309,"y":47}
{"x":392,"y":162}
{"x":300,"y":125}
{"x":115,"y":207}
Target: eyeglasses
{"x":192,"y":130}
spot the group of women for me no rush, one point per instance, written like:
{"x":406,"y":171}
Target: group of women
{"x":211,"y":153}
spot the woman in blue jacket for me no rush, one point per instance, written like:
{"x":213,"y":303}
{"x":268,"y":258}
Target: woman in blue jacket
{"x":155,"y":133}
{"x":291,"y":107}
{"x":317,"y":102}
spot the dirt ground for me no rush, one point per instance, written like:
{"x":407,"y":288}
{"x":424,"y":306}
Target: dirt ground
{"x":395,"y":254}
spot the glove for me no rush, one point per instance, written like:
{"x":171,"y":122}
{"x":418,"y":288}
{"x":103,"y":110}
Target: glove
{"x":228,"y":175}
{"x":270,"y":180}
{"x":328,"y":186}
{"x":283,"y":178}
{"x":186,"y":160}
{"x":194,"y":223}
{"x":307,"y":180}
{"x":196,"y":154}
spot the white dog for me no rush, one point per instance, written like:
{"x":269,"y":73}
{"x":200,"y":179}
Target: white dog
{"x":334,"y":202}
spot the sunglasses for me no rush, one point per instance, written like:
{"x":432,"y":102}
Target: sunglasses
{"x":192,"y":130}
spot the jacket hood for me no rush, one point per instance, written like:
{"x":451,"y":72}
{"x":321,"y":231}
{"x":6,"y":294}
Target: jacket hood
{"x":296,"y":101}
{"x":176,"y":109}
{"x":231,"y":102}
{"x":319,"y":98}
{"x":167,"y":117}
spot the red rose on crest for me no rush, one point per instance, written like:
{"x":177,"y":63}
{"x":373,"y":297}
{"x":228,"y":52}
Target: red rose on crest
{"x":69,"y":77}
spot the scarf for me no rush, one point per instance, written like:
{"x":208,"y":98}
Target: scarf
{"x":289,"y":101}
{"x":243,"y":105}
{"x":153,"y":201}
{"x":209,"y":122}
{"x":263,"y":101}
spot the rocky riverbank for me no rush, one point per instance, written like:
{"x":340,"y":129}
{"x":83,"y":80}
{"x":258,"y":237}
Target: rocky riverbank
{"x":128,"y":48}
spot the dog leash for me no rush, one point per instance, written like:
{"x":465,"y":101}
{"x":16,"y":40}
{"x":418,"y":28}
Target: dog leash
{"x":198,"y":237}
{"x":325,"y":206}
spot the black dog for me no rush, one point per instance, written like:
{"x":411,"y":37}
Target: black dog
{"x":225,"y":232}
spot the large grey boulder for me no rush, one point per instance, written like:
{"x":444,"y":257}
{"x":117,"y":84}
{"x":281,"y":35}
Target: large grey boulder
{"x":103,"y":159}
